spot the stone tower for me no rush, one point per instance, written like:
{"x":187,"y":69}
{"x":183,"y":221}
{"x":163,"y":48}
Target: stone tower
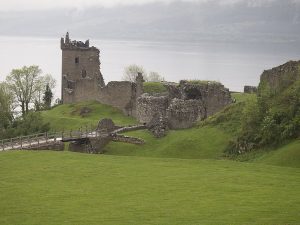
{"x":81,"y":75}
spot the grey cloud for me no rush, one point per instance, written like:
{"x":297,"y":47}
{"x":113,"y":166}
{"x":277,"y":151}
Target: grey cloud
{"x":191,"y":21}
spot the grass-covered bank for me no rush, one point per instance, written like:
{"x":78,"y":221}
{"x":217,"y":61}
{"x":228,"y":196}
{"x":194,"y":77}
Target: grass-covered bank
{"x":73,"y":188}
{"x":208,"y":140}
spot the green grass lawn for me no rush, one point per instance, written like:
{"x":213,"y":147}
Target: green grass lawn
{"x":242,"y":97}
{"x":72,"y":188}
{"x":178,"y":179}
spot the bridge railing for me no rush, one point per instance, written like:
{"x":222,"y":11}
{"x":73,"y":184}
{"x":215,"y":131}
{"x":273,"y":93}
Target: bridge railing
{"x":27,"y":141}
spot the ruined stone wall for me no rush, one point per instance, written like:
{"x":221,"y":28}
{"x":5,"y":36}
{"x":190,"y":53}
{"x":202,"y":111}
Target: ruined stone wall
{"x":148,"y":106}
{"x":184,"y":113}
{"x":250,"y":89}
{"x":217,"y":98}
{"x":83,"y":90}
{"x":120,"y":94}
{"x":213,"y":95}
{"x":280,"y":77}
{"x":185,"y":104}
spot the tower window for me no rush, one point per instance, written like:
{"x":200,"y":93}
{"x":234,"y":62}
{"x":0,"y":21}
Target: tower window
{"x":83,"y":73}
{"x":77,"y":60}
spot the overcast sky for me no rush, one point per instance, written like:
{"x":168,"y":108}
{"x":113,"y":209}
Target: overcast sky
{"x":19,"y":5}
{"x":269,"y":30}
{"x":46,"y":4}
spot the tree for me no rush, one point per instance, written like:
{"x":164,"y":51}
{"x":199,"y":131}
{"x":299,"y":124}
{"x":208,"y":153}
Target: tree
{"x":41,"y":88}
{"x":155,"y":77}
{"x":26,"y":84}
{"x":131,"y":71}
{"x":6,"y":107}
{"x":48,"y":95}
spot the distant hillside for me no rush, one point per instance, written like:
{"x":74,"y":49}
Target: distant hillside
{"x":257,"y":22}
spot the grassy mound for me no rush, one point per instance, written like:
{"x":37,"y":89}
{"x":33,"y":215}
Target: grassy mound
{"x":195,"y":143}
{"x":72,"y":188}
{"x":286,"y":155}
{"x":74,"y":116}
{"x":154,"y":87}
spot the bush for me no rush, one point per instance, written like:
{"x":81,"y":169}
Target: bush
{"x":29,"y":124}
{"x":270,"y":120}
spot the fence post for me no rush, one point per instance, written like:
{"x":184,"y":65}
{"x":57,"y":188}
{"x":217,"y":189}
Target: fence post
{"x":71,"y":133}
{"x":3,"y":145}
{"x":11,"y":143}
{"x":62,"y":134}
{"x":21,"y":142}
{"x":46,"y":138}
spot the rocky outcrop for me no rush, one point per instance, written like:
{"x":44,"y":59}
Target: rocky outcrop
{"x":106,"y":125}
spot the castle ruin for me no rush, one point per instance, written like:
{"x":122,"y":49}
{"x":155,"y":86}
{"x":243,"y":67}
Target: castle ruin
{"x":82,"y":79}
{"x":181,"y":106}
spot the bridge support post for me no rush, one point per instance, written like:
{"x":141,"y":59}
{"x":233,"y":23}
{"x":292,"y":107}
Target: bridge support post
{"x":38,"y":141}
{"x":29,"y":140}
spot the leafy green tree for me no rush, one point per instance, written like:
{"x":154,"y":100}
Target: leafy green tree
{"x":41,"y":89}
{"x":6,"y":106}
{"x":26,"y":85}
{"x":30,"y":123}
{"x":48,"y":95}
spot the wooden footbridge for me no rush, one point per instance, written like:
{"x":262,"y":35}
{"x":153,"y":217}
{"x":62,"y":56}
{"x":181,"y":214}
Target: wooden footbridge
{"x":48,"y":139}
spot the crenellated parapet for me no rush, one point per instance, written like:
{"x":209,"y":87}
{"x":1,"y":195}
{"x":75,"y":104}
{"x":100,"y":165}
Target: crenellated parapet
{"x":67,"y":43}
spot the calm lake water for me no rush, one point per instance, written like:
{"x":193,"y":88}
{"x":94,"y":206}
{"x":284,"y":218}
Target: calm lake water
{"x":232,"y":64}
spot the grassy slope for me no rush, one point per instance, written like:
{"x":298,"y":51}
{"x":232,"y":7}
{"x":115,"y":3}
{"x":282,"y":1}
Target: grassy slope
{"x":202,"y":143}
{"x":191,"y":143}
{"x":286,"y":155}
{"x":72,"y":188}
{"x":195,"y":143}
{"x":68,"y":116}
{"x":229,"y":120}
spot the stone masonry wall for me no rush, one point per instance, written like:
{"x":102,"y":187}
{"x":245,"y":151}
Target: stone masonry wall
{"x":120,"y":94}
{"x":280,"y":77}
{"x":148,"y":106}
{"x":250,"y":89}
{"x":184,"y":113}
{"x":83,"y":81}
{"x":185,"y":104}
